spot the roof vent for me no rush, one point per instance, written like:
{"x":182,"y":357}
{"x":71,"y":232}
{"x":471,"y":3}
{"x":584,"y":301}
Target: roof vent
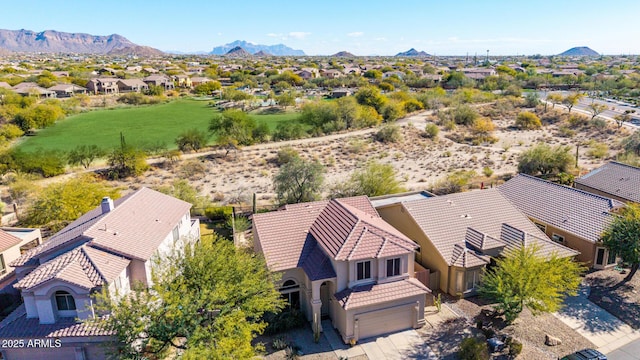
{"x":106,"y":204}
{"x":449,"y":201}
{"x":466,"y":216}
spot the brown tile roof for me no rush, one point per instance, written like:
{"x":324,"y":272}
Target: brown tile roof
{"x":466,"y":258}
{"x":515,"y":239}
{"x":481,"y":241}
{"x":364,"y":295}
{"x":8,"y":241}
{"x":615,"y":178}
{"x":18,"y":326}
{"x":82,"y":266}
{"x":347,"y":233}
{"x":576,"y":211}
{"x":445,"y":220}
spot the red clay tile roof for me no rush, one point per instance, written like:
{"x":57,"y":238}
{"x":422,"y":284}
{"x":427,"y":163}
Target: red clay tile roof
{"x":576,"y":211}
{"x":81,"y":266}
{"x":18,"y":326}
{"x":347,"y":233}
{"x":445,"y":220}
{"x":369,"y":294}
{"x":615,"y":178}
{"x":8,"y":241}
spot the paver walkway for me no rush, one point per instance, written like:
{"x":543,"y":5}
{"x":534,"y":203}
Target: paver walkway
{"x":600,"y":327}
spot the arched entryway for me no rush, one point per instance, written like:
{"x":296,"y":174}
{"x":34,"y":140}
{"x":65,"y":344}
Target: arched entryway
{"x":325,"y":297}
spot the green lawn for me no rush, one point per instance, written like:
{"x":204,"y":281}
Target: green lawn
{"x":140,"y":125}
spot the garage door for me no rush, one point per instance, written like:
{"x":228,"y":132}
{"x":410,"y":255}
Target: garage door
{"x":385,"y":321}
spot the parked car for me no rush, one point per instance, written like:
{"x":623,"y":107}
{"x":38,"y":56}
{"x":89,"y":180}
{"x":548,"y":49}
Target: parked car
{"x":586,"y":354}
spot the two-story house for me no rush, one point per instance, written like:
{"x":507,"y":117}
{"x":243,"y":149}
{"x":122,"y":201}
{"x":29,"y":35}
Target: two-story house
{"x":102,"y":86}
{"x":114,"y":246}
{"x":339,"y":260}
{"x":159,"y":80}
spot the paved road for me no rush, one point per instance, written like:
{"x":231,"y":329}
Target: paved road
{"x":631,"y":351}
{"x":614,"y":107}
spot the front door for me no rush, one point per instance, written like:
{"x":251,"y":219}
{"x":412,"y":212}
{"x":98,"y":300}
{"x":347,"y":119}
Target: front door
{"x":324,"y":297}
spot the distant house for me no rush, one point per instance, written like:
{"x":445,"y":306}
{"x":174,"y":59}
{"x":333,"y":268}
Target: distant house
{"x":338,"y":93}
{"x":571,"y":217}
{"x":67,"y":90}
{"x":614,"y":180}
{"x":183,"y":81}
{"x":111,"y":247}
{"x":331,"y":73}
{"x":107,"y":71}
{"x":458,"y":234}
{"x":339,"y":260}
{"x":478,"y":73}
{"x":60,"y":73}
{"x":398,"y":74}
{"x":159,"y":80}
{"x":132,"y":85}
{"x":32,"y":89}
{"x":103,"y":86}
{"x":4,"y":85}
{"x":197,"y":80}
{"x":14,"y":242}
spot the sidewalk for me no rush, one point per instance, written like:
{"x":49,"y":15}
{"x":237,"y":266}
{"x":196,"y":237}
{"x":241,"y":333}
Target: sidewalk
{"x":604,"y":330}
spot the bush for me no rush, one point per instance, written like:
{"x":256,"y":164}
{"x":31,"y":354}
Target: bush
{"x":46,"y":163}
{"x":598,"y":150}
{"x":193,"y":139}
{"x":239,"y":224}
{"x":465,"y":115}
{"x":218,"y":212}
{"x":545,"y":160}
{"x":133,"y":98}
{"x":528,"y":120}
{"x":389,"y":134}
{"x":515,"y":348}
{"x":284,"y":321}
{"x":286,"y":155}
{"x":431,"y":131}
{"x":289,"y":131}
{"x":473,"y":349}
{"x":487,"y":171}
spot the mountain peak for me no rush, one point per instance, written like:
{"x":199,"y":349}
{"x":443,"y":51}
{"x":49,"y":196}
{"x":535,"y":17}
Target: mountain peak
{"x":343,"y":54}
{"x":413,"y":52}
{"x":277,"y":50}
{"x":238,"y":52}
{"x":579,"y":51}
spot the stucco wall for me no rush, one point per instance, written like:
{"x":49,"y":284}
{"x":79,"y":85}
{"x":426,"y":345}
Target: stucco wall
{"x":587,"y":248}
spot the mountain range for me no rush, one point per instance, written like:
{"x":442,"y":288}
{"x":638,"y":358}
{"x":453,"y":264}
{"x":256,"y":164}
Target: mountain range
{"x":278,"y":50}
{"x":51,"y":41}
{"x":579,"y":51}
{"x":412,"y":53}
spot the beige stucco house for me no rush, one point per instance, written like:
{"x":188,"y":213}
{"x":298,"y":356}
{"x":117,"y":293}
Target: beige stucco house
{"x":459,"y":233}
{"x":571,"y":217}
{"x":113,"y":246}
{"x":340,"y":261}
{"x":13,"y":242}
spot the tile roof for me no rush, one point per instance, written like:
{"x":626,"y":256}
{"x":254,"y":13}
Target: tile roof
{"x":17,"y":325}
{"x":82,"y":266}
{"x":369,"y":294}
{"x":445,"y":220}
{"x":347,"y":233}
{"x":314,"y":262}
{"x":516,"y":238}
{"x":467,"y":258}
{"x":481,"y":241}
{"x":8,"y":241}
{"x":614,"y":178}
{"x":575,"y":211}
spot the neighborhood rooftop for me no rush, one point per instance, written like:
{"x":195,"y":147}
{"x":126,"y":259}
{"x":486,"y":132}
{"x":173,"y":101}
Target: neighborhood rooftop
{"x":614,"y":178}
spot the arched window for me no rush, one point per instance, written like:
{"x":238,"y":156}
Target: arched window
{"x":290,"y":291}
{"x":65,"y":301}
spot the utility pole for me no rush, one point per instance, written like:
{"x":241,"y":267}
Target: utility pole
{"x":487,"y":57}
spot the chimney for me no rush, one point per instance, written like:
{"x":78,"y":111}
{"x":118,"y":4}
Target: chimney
{"x":106,"y":204}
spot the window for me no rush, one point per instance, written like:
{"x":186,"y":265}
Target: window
{"x":363,"y":270}
{"x":542,"y":227}
{"x":3,"y":268}
{"x":393,"y":267}
{"x":473,"y":279}
{"x":557,"y":238}
{"x":65,"y":301}
{"x":611,"y":259}
{"x":176,"y":234}
{"x":290,"y":291}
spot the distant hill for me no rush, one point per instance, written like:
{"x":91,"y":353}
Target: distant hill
{"x":412,"y":53}
{"x":145,"y":51}
{"x":262,"y":53}
{"x":238,"y":52}
{"x":4,"y":52}
{"x":278,"y":50}
{"x":343,"y":54}
{"x":580,"y":51}
{"x":51,"y":41}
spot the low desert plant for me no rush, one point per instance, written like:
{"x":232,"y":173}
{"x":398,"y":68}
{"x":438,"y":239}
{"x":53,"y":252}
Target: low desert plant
{"x":473,"y":349}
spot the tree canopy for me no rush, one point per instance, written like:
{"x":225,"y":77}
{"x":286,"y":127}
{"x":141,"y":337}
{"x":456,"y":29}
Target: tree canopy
{"x":299,"y":181}
{"x":545,"y":160}
{"x":622,"y":236}
{"x":208,"y":303}
{"x":374,"y":180}
{"x":524,"y":278}
{"x":235,"y":128}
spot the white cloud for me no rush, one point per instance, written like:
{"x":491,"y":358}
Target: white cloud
{"x":299,"y":34}
{"x":355,"y":34}
{"x":274,"y":35}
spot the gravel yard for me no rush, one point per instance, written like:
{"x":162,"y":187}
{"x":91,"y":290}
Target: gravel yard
{"x":620,"y":299}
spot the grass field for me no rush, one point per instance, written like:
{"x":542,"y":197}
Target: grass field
{"x":140,"y":126}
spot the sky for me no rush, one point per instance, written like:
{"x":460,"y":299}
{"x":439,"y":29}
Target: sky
{"x":361,"y":27}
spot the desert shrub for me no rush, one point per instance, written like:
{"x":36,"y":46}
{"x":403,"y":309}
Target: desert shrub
{"x":392,"y":111}
{"x":286,"y":320}
{"x":487,"y":171}
{"x":238,"y":223}
{"x":286,"y":155}
{"x":289,"y":131}
{"x":46,"y":163}
{"x":133,"y":98}
{"x":515,"y":348}
{"x":192,"y":139}
{"x":465,"y":115}
{"x":412,"y":105}
{"x":218,"y":212}
{"x":599,"y":124}
{"x":453,"y":183}
{"x":357,"y":146}
{"x":431,"y":131}
{"x":473,"y":349}
{"x":279,"y":343}
{"x":545,"y":160}
{"x":565,"y":132}
{"x":192,"y":168}
{"x":631,"y":143}
{"x":482,"y":128}
{"x":513,"y":90}
{"x":528,"y":120}
{"x":577,"y":121}
{"x":389,"y":134}
{"x":597,"y":150}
